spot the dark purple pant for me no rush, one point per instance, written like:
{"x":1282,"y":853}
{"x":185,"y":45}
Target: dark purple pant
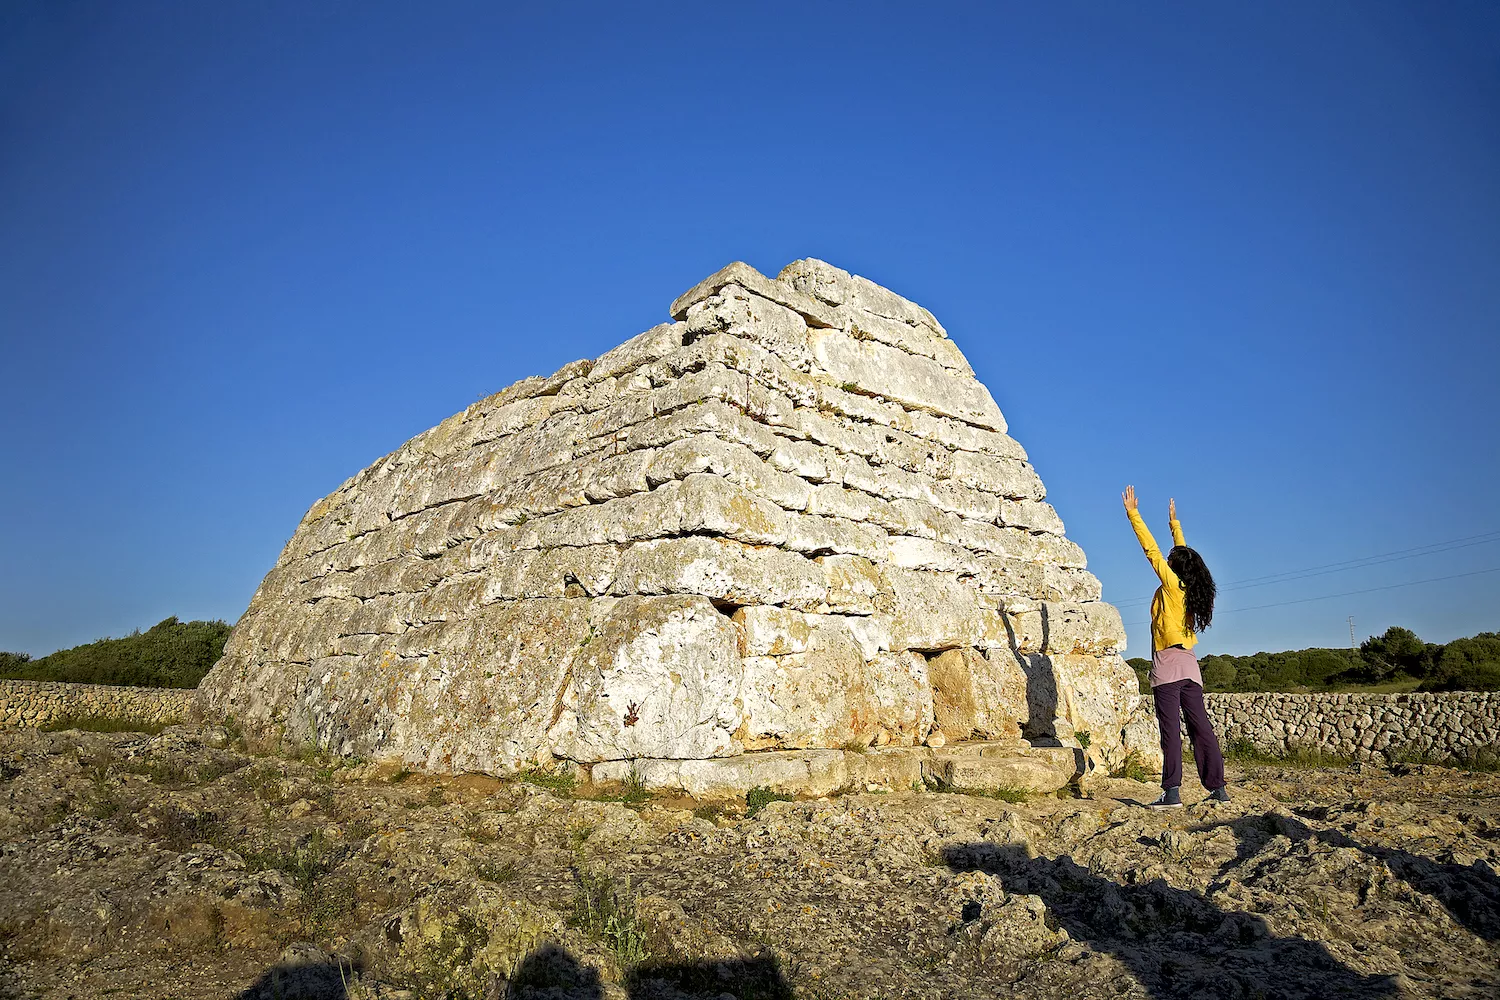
{"x":1176,"y":702}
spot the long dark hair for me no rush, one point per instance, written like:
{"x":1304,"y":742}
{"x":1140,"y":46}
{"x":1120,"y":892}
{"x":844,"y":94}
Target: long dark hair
{"x":1195,"y":578}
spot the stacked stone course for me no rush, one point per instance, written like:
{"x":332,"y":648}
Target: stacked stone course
{"x":1369,"y":727}
{"x":790,"y":519}
{"x":40,"y":703}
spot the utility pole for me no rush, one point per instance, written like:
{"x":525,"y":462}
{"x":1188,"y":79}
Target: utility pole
{"x":1351,"y":632}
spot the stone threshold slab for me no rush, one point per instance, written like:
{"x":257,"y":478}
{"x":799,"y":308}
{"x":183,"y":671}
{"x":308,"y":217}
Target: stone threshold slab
{"x":981,"y":766}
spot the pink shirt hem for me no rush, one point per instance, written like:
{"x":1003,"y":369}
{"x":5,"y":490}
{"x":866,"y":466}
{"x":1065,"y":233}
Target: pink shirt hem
{"x":1174,"y":664}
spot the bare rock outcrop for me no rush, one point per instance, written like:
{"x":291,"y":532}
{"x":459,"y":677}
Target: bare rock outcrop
{"x":791,"y":519}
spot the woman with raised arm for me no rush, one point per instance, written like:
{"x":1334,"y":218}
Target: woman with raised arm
{"x":1182,"y":607}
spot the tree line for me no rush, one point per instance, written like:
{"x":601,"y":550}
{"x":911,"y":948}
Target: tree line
{"x":171,"y":653}
{"x":1397,"y":655}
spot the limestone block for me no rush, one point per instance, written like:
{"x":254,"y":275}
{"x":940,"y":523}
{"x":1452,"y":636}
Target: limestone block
{"x":977,"y":696}
{"x":799,"y":458}
{"x":1069,"y":585}
{"x":572,"y":572}
{"x":852,"y":583}
{"x":711,"y":505}
{"x":827,"y":535}
{"x":657,"y":680}
{"x":871,"y":634}
{"x":619,"y":475}
{"x":836,"y":286}
{"x":926,"y":553}
{"x":1059,"y":551}
{"x":1002,"y":575}
{"x":721,"y":570}
{"x":919,"y":340}
{"x":915,"y":382}
{"x":966,"y":437}
{"x":1002,"y":476}
{"x":1092,"y":627}
{"x":772,"y":631}
{"x":794,"y":772}
{"x":1033,"y":515}
{"x":705,"y":453}
{"x":805,"y":700}
{"x":902,"y":696}
{"x":933,"y":611}
{"x":830,"y":500}
{"x":642,"y":349}
{"x":728,"y":423}
{"x":747,"y":277}
{"x":840,"y":435}
{"x":739,"y":313}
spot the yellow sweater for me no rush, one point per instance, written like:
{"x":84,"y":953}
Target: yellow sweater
{"x":1169,"y":603}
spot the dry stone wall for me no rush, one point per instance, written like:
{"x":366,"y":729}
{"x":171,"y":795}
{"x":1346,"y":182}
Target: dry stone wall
{"x":39,"y":703}
{"x":1363,"y":726}
{"x":791,"y":518}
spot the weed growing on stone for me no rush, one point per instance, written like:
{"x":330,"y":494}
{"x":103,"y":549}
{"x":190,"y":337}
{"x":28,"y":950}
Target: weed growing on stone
{"x":1005,"y":793}
{"x":710,"y":811}
{"x":760,"y":796}
{"x":498,"y":872}
{"x":172,"y":772}
{"x":856,"y":746}
{"x":452,"y":968}
{"x":554,"y":782}
{"x":476,"y":831}
{"x":1243,"y":751}
{"x":401,"y":776}
{"x":178,"y":829}
{"x":631,"y":791}
{"x":1085,"y":738}
{"x":1132,"y":767}
{"x":1480,"y":759}
{"x":104,"y":724}
{"x":326,"y":899}
{"x":607,"y":913}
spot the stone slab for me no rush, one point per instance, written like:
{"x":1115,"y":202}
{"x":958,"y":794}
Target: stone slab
{"x":739,"y":273}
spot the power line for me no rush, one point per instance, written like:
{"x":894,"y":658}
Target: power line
{"x":1348,"y":593}
{"x":1362,"y":562}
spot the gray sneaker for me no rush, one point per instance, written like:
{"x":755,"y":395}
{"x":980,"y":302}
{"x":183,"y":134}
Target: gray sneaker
{"x":1171,"y":798}
{"x":1219,"y":794}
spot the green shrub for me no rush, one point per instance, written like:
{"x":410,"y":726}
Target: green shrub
{"x":759,"y":797}
{"x":170,"y":654}
{"x":1132,"y":767}
{"x":558,"y":783}
{"x":1471,"y":664}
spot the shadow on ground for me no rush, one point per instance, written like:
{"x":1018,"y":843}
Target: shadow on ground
{"x":1470,"y":893}
{"x":549,"y":972}
{"x":1176,"y":942}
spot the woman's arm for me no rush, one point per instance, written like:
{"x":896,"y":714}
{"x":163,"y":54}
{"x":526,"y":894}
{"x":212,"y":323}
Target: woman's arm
{"x":1176,"y":525}
{"x":1143,"y":535}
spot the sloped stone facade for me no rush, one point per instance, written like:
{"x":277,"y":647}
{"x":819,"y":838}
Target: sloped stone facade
{"x":790,"y":519}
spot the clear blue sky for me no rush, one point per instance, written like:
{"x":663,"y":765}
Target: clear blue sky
{"x":1243,"y":254}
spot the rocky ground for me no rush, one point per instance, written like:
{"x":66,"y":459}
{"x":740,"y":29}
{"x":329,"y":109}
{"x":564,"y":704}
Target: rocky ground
{"x":187,"y":865}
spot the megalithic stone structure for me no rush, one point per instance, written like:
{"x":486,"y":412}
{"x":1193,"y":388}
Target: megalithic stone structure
{"x":787,"y":525}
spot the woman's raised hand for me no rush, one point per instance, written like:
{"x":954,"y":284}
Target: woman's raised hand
{"x":1172,"y":509}
{"x":1129,"y":497}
